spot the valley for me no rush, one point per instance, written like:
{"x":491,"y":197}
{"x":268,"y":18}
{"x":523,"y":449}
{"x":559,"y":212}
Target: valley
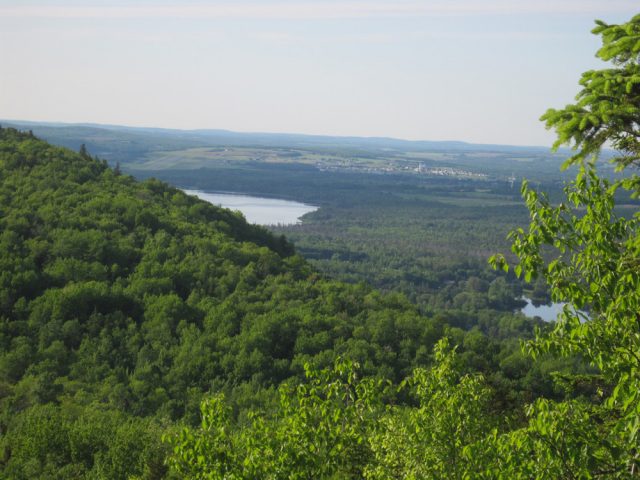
{"x":206,"y":304}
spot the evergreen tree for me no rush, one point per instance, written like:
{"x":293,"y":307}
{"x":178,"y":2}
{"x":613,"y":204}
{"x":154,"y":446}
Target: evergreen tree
{"x":589,"y":254}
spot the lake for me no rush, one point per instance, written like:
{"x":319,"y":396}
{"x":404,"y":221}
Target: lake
{"x":258,"y":210}
{"x":547,"y":313}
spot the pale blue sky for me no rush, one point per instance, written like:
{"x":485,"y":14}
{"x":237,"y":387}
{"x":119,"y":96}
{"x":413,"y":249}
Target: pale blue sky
{"x":475,"y":70}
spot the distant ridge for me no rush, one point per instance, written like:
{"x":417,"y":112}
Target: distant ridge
{"x":206,"y":137}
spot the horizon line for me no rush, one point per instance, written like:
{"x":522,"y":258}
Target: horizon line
{"x":59,"y":124}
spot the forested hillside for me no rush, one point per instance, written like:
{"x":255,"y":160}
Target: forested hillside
{"x":125,"y":304}
{"x":139,"y":299}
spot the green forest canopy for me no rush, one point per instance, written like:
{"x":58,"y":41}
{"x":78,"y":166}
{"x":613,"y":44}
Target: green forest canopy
{"x":124,"y":304}
{"x":126,"y":308}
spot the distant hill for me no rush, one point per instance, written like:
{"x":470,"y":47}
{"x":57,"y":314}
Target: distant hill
{"x":72,"y":135}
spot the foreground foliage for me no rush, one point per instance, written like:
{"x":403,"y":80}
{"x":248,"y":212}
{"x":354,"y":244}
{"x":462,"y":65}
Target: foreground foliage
{"x":335,"y":425}
{"x":588,"y":254}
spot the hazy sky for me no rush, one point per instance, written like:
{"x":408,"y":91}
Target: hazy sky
{"x":475,"y":70}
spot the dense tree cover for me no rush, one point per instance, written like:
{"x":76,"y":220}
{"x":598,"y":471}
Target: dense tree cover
{"x":424,"y":247}
{"x":424,"y":237}
{"x":338,"y":425}
{"x":124,"y":304}
{"x":588,"y":254}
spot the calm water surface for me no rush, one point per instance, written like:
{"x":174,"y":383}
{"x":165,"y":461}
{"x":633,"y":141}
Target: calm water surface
{"x":547,"y":313}
{"x":258,"y":210}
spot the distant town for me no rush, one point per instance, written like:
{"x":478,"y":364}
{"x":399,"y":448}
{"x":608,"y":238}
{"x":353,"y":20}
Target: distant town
{"x":326,"y":165}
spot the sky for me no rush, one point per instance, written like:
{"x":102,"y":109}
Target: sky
{"x":480,"y":71}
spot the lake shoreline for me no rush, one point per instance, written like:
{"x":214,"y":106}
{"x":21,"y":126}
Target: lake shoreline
{"x":259,"y":210}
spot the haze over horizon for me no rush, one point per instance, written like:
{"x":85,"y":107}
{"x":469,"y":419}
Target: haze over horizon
{"x":470,"y":70}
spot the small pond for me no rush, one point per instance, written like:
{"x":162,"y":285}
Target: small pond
{"x":548,"y":313}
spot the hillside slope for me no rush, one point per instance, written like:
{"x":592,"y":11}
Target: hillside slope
{"x":136,"y":299}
